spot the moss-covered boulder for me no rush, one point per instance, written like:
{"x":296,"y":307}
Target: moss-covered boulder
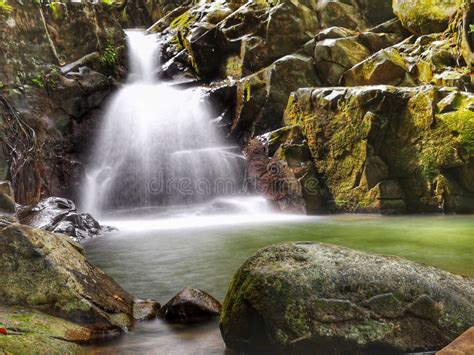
{"x":49,"y":272}
{"x":390,"y":149}
{"x":237,"y":39}
{"x":425,"y":16}
{"x":333,"y":57}
{"x":304,"y":298}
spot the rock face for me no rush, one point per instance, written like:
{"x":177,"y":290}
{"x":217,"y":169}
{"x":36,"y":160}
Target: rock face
{"x":59,"y":215}
{"x":58,"y":60}
{"x":297,"y":168}
{"x":250,"y":54}
{"x":389,"y":149}
{"x":425,"y":16}
{"x":296,"y":298}
{"x":191,"y":306}
{"x":48,"y":272}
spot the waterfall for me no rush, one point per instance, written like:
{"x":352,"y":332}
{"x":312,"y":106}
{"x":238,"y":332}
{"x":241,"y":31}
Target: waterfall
{"x":157,"y":145}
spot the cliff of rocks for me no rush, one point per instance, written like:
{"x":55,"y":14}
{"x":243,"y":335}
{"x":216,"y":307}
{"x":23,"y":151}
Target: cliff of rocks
{"x":340,"y":106}
{"x":392,"y":130}
{"x":60,"y":61}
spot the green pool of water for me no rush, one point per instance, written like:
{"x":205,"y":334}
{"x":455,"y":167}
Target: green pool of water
{"x":157,"y":263}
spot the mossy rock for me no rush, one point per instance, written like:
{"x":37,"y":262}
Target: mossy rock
{"x":363,"y":137}
{"x":305,"y":298}
{"x":33,"y":332}
{"x":50,"y":273}
{"x":423,"y":17}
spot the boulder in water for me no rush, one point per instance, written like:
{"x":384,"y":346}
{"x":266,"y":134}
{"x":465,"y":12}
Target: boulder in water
{"x":60,"y":215}
{"x":145,"y":309}
{"x":307,"y":297}
{"x":191,"y":306}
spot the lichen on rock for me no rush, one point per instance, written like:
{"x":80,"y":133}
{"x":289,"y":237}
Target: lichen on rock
{"x":295,"y":298}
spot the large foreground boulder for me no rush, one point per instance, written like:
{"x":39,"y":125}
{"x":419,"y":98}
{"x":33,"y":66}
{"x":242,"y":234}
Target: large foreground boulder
{"x":48,"y":272}
{"x":308,"y":298}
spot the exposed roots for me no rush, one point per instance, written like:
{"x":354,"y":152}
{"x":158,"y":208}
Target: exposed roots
{"x":23,"y":150}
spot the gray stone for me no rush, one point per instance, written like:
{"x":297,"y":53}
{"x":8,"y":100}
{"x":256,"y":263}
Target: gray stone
{"x":305,"y":298}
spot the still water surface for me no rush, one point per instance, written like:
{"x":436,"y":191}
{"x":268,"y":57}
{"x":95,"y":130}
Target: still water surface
{"x":156,"y":258}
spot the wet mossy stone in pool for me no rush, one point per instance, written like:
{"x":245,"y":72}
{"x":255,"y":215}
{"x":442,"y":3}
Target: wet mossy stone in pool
{"x":305,"y":298}
{"x":191,"y":306}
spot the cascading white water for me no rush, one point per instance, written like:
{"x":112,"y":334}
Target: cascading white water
{"x":157,"y":145}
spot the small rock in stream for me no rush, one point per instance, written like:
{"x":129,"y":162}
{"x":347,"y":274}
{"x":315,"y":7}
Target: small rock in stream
{"x":145,"y":309}
{"x":60,"y":215}
{"x":191,"y":306}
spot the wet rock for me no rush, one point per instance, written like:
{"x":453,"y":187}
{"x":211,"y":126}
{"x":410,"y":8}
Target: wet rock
{"x":78,"y":92}
{"x":191,"y":306}
{"x":463,"y":345}
{"x":362,"y":144}
{"x":145,"y":309}
{"x":7,"y":198}
{"x":59,"y":215}
{"x":335,"y":32}
{"x":307,"y":297}
{"x":425,"y":16}
{"x":49,"y":272}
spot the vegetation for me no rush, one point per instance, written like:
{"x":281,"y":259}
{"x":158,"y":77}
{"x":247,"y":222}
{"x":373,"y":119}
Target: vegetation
{"x":4,"y":7}
{"x":110,"y":57}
